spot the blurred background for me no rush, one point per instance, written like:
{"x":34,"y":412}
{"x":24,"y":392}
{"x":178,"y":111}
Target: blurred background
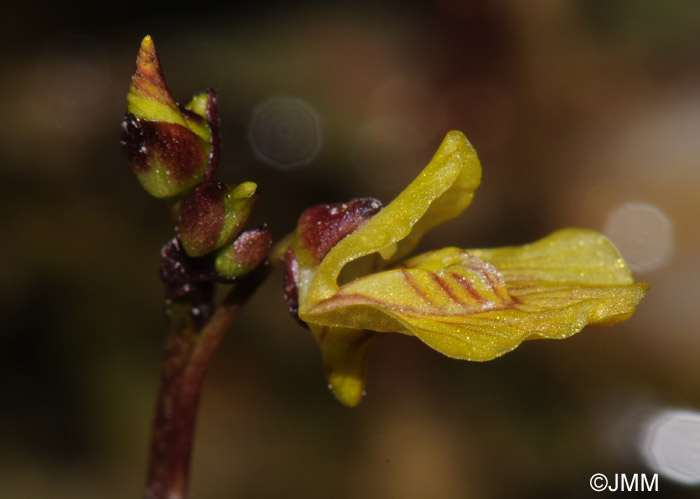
{"x":584,"y":113}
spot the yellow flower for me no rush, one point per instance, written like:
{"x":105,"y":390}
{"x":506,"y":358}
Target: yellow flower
{"x":344,"y":282}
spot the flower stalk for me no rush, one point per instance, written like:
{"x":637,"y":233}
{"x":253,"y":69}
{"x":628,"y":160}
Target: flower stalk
{"x":189,"y":354}
{"x":174,"y":152}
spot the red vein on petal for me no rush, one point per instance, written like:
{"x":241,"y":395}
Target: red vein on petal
{"x":409,"y":279}
{"x":497,"y":287}
{"x":340,"y":301}
{"x":447,"y":288}
{"x":464,"y":282}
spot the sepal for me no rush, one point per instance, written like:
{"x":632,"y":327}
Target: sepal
{"x":321,"y":227}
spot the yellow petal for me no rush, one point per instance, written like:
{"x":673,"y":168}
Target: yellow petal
{"x":441,"y":192}
{"x":566,"y":256}
{"x":466,"y":285}
{"x":344,"y":352}
{"x":571,"y":265}
{"x":458,"y":303}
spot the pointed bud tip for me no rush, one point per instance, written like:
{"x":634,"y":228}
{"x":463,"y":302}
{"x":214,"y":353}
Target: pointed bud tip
{"x":245,"y":190}
{"x":198,"y":104}
{"x":149,"y":96}
{"x":204,"y":104}
{"x":147,"y":56}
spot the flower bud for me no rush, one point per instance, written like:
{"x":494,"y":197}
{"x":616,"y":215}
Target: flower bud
{"x":244,"y":254}
{"x":168,"y":147}
{"x":212,"y":215}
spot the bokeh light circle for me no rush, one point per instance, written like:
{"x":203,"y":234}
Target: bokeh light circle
{"x":643,"y":234}
{"x":670,"y":445}
{"x":285,"y":132}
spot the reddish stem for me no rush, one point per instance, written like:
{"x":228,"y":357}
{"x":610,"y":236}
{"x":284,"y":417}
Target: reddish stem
{"x":188,"y":356}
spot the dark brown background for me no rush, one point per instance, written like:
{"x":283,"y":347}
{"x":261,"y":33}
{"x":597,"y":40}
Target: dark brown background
{"x":575,"y":107}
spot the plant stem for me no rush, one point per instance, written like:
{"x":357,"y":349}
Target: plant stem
{"x":188,"y":355}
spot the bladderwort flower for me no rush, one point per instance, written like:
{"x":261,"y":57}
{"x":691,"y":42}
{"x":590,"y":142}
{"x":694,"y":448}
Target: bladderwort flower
{"x":347,"y":277}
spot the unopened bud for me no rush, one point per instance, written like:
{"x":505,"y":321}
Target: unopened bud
{"x":244,"y":254}
{"x":212,"y":215}
{"x":169,"y":148}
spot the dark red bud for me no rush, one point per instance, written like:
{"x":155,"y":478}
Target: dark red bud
{"x":167,"y":158}
{"x":202,"y":218}
{"x":246,"y":252}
